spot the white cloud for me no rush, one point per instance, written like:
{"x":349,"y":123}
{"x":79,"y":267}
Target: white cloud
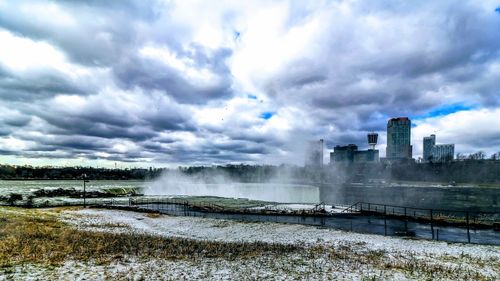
{"x":22,"y":54}
{"x":470,"y":131}
{"x":174,"y":81}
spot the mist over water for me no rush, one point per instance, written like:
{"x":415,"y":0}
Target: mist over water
{"x":177,"y":183}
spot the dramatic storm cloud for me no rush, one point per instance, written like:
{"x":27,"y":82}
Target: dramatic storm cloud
{"x":157,"y":83}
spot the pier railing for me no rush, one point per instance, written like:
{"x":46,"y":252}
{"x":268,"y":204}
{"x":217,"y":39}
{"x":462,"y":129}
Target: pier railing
{"x":467,"y":219}
{"x":449,"y":225}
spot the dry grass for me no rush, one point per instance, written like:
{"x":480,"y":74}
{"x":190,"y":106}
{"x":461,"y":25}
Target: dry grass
{"x":153,"y":215}
{"x":42,"y":238}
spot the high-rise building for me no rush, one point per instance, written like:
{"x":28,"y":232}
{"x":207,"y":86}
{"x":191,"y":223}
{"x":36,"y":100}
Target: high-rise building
{"x":429,"y":142}
{"x":437,"y":152}
{"x":399,"y":138}
{"x":314,"y":153}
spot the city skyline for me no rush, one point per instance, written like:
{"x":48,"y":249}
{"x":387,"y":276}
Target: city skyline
{"x":159,"y":83}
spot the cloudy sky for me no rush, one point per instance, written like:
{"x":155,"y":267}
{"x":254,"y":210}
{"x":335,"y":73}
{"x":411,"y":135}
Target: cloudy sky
{"x":159,"y":83}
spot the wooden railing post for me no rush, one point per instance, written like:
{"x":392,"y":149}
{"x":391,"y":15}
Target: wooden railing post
{"x":432,"y":226}
{"x":385,"y":221}
{"x":468,"y":228}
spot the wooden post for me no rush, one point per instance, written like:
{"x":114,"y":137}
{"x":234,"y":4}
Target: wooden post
{"x":468,"y":228}
{"x":84,"y":190}
{"x":432,"y":226}
{"x":385,"y":221}
{"x":406,"y":223}
{"x":84,"y":193}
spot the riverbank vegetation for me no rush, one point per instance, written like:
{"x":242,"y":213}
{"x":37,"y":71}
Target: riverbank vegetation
{"x":38,"y":236}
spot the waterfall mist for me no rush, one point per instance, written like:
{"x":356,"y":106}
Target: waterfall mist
{"x":276,"y":189}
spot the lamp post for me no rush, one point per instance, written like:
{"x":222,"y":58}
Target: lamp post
{"x":84,"y":190}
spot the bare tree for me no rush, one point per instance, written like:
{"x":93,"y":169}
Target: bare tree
{"x":495,"y":156}
{"x":480,"y":155}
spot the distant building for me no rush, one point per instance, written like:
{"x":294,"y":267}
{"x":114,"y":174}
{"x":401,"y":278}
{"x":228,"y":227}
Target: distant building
{"x":398,"y":138}
{"x":314,"y":153}
{"x":437,"y":153}
{"x":429,"y":143}
{"x":443,"y":152}
{"x":372,"y":140}
{"x":343,"y":153}
{"x":350,"y":153}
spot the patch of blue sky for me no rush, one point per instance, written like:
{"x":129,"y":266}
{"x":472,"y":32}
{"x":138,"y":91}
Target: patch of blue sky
{"x":445,"y":110}
{"x":252,"y":97}
{"x":237,"y":35}
{"x":266,"y":115}
{"x":497,"y":10}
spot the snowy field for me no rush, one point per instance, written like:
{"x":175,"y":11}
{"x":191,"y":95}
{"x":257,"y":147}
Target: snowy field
{"x":328,"y":254}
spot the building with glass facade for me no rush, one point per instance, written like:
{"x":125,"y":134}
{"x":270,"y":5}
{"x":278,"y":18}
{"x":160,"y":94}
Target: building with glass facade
{"x":399,"y":138}
{"x":429,"y":143}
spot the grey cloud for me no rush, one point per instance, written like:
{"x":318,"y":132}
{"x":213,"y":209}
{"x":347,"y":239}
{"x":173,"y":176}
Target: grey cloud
{"x":19,"y":89}
{"x":240,"y":147}
{"x":15,"y":119}
{"x":154,"y":75}
{"x":102,"y":32}
{"x":351,"y":81}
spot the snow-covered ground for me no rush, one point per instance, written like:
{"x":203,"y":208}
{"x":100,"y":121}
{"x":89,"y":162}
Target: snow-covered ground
{"x":337,"y":254}
{"x":294,"y":208}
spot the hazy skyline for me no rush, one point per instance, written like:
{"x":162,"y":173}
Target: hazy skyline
{"x":157,"y":83}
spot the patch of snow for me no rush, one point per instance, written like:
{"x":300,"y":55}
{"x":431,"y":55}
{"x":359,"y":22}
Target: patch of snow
{"x":290,"y":208}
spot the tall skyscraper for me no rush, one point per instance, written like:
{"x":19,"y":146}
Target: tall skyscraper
{"x":398,"y":138}
{"x":429,"y":143}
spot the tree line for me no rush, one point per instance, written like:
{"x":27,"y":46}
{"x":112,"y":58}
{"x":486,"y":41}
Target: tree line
{"x":473,"y":168}
{"x":26,"y":172}
{"x":234,"y":172}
